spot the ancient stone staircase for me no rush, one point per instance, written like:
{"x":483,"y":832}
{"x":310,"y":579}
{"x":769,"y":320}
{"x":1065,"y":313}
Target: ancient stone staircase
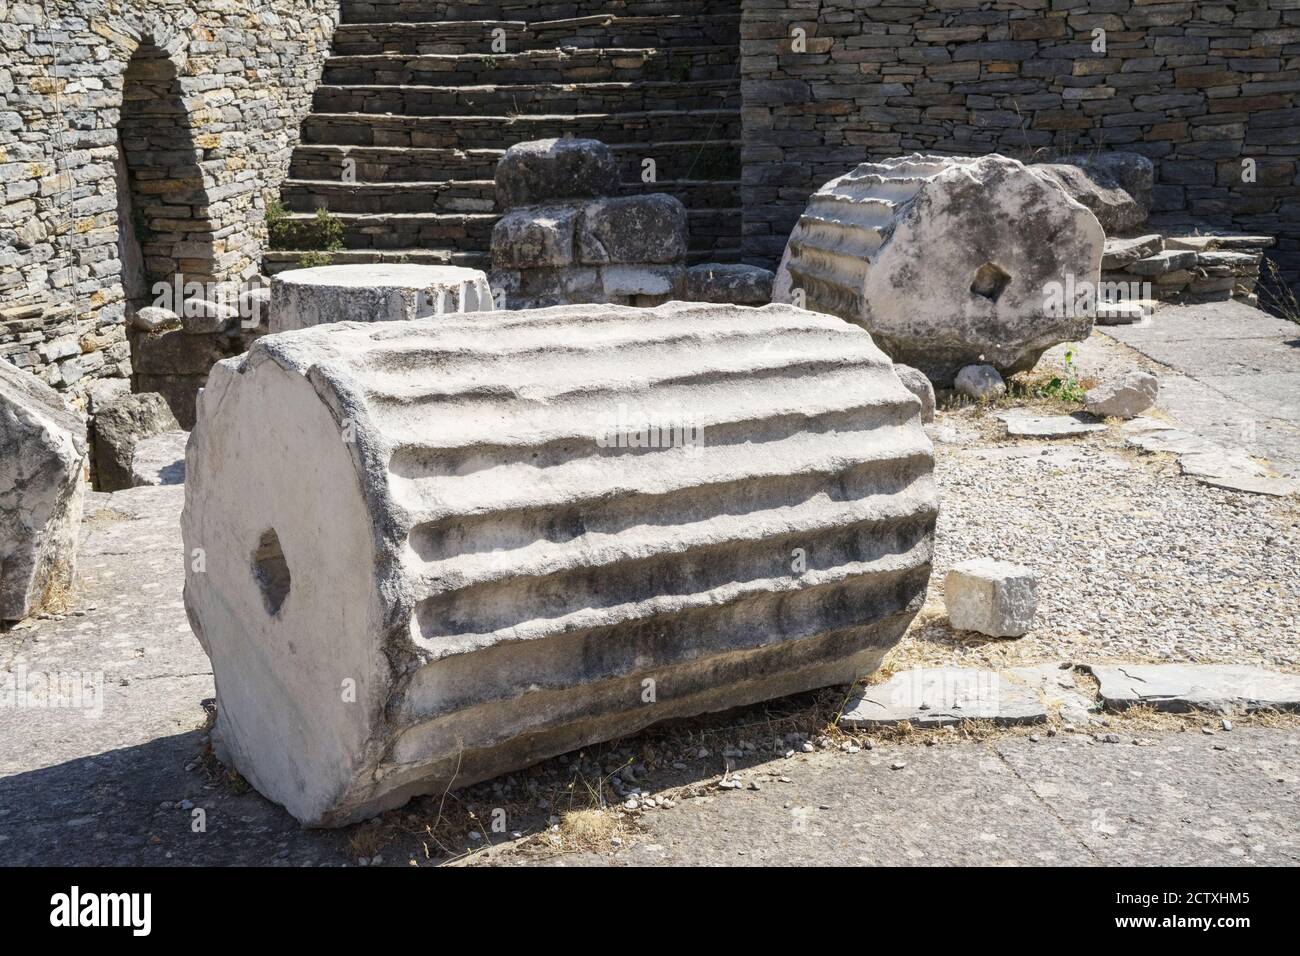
{"x":416,"y":99}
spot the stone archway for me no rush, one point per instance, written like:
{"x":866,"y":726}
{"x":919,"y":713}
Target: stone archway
{"x":165,"y":231}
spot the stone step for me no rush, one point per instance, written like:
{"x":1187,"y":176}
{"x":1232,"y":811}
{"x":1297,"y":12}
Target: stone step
{"x":308,"y":195}
{"x":501,"y":132}
{"x":280,"y":260}
{"x":513,"y":36}
{"x":707,"y":229}
{"x":535,"y":66}
{"x":528,"y":98}
{"x":467,"y":195}
{"x":467,"y":231}
{"x":528,"y":11}
{"x":674,"y":159}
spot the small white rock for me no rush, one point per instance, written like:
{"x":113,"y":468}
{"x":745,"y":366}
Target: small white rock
{"x":996,"y":598}
{"x":980,"y":382}
{"x":1125,"y":398}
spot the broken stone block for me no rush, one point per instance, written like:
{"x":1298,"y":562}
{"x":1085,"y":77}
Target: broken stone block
{"x":102,"y":392}
{"x":159,"y":459}
{"x":1132,"y":172}
{"x":920,"y":386}
{"x":42,"y":459}
{"x":436,"y":551}
{"x":544,"y":170}
{"x":996,"y":598}
{"x":201,"y":317}
{"x":732,"y":282}
{"x":980,"y":382}
{"x":1102,"y":184}
{"x":632,"y":229}
{"x":118,"y":427}
{"x":946,"y":261}
{"x":1125,"y":398}
{"x":1221,"y":688}
{"x":1125,"y":312}
{"x":155,"y":319}
{"x":1164,"y":264}
{"x":374,"y":293}
{"x":1120,"y":252}
{"x":255,"y":307}
{"x":536,"y":237}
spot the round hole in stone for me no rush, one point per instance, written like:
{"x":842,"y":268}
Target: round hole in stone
{"x":990,"y":281}
{"x":271,"y":571}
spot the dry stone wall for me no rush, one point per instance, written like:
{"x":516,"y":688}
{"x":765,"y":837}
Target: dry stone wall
{"x":1196,"y":86}
{"x":205,"y":98}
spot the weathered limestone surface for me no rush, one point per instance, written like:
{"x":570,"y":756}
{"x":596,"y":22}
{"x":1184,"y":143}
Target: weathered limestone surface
{"x":916,"y":383}
{"x":943,"y":696}
{"x":570,"y":246}
{"x":42,"y":457}
{"x":118,"y":428}
{"x":979,"y":382}
{"x":1116,"y":187}
{"x":175,"y":363}
{"x":1224,"y":688}
{"x":946,"y":261}
{"x":159,"y":459}
{"x":374,"y":293}
{"x":545,"y":529}
{"x":729,"y":282}
{"x":547,"y":169}
{"x":997,"y":598}
{"x":1123,"y":398}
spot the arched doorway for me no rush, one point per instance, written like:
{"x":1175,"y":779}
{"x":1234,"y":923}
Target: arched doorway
{"x":165,"y":232}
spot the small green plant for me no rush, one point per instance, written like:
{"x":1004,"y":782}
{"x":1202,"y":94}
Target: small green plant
{"x":310,"y":260}
{"x":1064,"y":387}
{"x":278,"y":224}
{"x":322,"y":233}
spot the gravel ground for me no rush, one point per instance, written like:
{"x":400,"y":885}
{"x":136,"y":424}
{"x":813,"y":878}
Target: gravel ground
{"x":1135,"y":561}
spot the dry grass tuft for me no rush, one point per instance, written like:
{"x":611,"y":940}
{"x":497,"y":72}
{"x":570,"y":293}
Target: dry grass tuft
{"x":103,"y":517}
{"x":588,"y":829}
{"x":58,"y":596}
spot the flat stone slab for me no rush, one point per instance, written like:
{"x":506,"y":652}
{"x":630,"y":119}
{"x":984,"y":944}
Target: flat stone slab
{"x":1276,"y":487}
{"x":1214,"y":464}
{"x":938,"y":696}
{"x":1156,"y":436}
{"x":1022,"y":424}
{"x":159,"y":459}
{"x":1207,"y":462}
{"x":1222,"y":688}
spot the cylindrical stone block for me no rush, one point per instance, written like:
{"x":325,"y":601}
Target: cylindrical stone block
{"x":437,"y":551}
{"x":374,"y":293}
{"x":947,"y":261}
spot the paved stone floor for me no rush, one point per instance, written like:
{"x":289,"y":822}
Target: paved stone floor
{"x":118,"y":780}
{"x":1238,"y":380}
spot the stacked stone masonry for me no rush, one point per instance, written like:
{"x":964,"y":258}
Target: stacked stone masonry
{"x":139,"y":140}
{"x":1196,"y":86}
{"x":1189,"y":269}
{"x":394,"y":120}
{"x":420,"y":99}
